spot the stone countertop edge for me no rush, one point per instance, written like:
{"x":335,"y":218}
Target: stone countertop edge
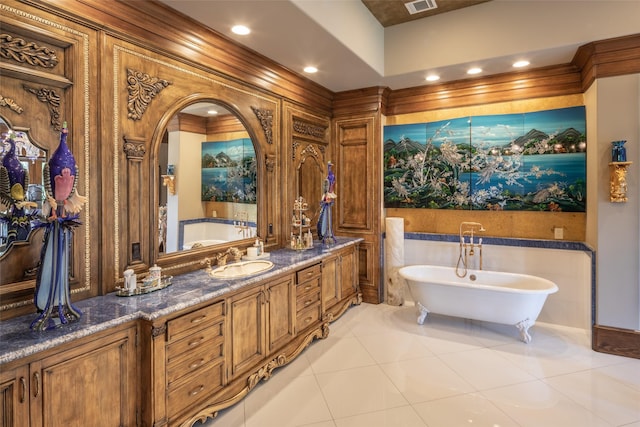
{"x":100,"y":313}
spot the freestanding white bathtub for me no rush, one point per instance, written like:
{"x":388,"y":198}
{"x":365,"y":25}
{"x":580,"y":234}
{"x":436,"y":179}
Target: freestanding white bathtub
{"x":490,"y":296}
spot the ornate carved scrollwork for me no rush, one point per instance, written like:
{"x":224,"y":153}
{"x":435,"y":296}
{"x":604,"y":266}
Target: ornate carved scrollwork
{"x":158,"y":331}
{"x":269,"y":163}
{"x":309,"y":129}
{"x":266,"y":120}
{"x":8,"y":102}
{"x":142,"y":89}
{"x":266,"y":371}
{"x":30,"y":53}
{"x":134,"y":148}
{"x":52,"y":99}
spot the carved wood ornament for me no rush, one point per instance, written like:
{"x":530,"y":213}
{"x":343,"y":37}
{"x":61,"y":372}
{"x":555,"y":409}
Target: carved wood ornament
{"x":142,"y":89}
{"x":309,"y":129}
{"x":266,"y":120}
{"x":134,"y":148}
{"x":10,"y":103}
{"x":30,"y":53}
{"x":52,"y":99}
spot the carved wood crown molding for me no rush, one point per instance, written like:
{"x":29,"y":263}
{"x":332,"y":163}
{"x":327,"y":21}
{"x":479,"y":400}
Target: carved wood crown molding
{"x":134,"y":148}
{"x":30,"y":53}
{"x":309,"y":129}
{"x":52,"y":99}
{"x":142,"y":89}
{"x":266,"y":120}
{"x":10,"y":103}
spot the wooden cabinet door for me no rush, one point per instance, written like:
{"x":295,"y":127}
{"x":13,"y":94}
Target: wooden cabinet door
{"x":247,"y":331}
{"x":281,"y":295}
{"x":348,"y":273}
{"x":14,"y":397}
{"x":331,"y":292}
{"x":92,"y":384}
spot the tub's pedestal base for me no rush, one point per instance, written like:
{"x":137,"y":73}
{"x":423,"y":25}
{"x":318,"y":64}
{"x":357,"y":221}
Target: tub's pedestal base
{"x":523,"y":326}
{"x":422,"y":313}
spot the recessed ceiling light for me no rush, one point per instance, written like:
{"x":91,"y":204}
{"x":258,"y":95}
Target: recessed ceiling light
{"x":432,"y":77}
{"x":240,"y":30}
{"x":310,"y":70}
{"x":212,"y":112}
{"x":519,"y":64}
{"x":474,"y":70}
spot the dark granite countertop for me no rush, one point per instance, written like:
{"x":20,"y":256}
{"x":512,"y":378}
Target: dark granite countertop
{"x":103,"y":312}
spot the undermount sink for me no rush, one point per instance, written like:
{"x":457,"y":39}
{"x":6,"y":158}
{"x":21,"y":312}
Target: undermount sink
{"x":240,"y":269}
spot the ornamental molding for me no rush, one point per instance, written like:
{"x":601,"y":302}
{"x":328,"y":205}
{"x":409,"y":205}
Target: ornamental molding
{"x":270,"y":163}
{"x":265,"y":116}
{"x":142,"y":89}
{"x":52,"y":99}
{"x":10,"y":103}
{"x":25,"y":52}
{"x":305,"y":128}
{"x":134,"y":148}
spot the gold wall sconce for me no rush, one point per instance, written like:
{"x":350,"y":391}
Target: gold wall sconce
{"x":618,"y":181}
{"x":169,"y":181}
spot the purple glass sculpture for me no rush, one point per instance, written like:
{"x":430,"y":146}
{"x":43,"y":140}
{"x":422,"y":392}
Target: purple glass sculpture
{"x":62,"y":207}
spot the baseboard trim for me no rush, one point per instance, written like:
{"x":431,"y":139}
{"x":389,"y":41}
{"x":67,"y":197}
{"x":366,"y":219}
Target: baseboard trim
{"x":621,"y":342}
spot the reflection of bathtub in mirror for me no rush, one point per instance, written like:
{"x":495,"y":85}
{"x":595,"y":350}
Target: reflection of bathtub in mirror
{"x":201,"y":243}
{"x":211,"y":230}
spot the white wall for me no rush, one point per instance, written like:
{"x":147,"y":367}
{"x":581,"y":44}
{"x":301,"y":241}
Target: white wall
{"x":613,"y":229}
{"x":569,"y":269}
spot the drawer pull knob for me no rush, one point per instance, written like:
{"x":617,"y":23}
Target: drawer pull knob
{"x":196,"y":364}
{"x":196,"y":390}
{"x":308,"y":302}
{"x":36,"y":384}
{"x":308,"y":319}
{"x":307,"y":288}
{"x":23,"y":389}
{"x":196,"y":341}
{"x":199,"y":319}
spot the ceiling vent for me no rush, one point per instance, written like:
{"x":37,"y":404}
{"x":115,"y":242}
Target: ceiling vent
{"x":420,"y":6}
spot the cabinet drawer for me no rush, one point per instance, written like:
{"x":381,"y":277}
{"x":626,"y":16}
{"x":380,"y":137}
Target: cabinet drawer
{"x":206,"y":354}
{"x":195,"y":320}
{"x":308,"y":273}
{"x":308,"y":287}
{"x":194,"y":341}
{"x":307,"y":299}
{"x":308,"y":317}
{"x":194,"y":388}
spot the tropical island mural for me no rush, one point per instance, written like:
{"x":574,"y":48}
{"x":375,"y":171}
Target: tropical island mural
{"x":229,"y":171}
{"x":531,"y":161}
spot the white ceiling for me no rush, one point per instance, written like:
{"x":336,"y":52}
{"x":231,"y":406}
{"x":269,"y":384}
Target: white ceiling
{"x":352,"y":50}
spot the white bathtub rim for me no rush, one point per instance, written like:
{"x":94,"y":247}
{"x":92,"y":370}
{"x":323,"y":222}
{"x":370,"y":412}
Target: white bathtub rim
{"x":407,"y":272}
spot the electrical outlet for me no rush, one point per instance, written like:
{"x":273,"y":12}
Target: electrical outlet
{"x":558,"y":233}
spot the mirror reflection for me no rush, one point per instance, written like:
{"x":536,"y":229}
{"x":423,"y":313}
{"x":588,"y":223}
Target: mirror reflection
{"x":208,"y":177}
{"x":21,"y":189}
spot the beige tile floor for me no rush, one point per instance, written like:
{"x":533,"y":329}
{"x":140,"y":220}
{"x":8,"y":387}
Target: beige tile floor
{"x":379,"y":368}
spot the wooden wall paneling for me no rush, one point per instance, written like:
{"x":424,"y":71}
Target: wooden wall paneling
{"x":305,"y":142}
{"x":48,"y":79}
{"x":356,"y":141}
{"x":137,"y":195}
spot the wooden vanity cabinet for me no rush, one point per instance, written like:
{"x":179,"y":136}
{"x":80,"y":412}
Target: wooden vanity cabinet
{"x":339,"y":282}
{"x":308,"y":290}
{"x":14,"y":397}
{"x":91,"y":382}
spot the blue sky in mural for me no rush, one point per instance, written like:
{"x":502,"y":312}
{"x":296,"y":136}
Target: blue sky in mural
{"x":524,"y":161}
{"x":229,"y":171}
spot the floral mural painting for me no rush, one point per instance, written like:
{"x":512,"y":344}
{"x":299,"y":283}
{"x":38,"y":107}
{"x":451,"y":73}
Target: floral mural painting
{"x":531,"y":161}
{"x":229,"y":171}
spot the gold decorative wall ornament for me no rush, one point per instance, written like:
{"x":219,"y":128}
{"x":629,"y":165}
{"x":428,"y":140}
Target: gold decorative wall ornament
{"x":309,"y":129}
{"x":618,"y":181}
{"x":23,"y":51}
{"x":169,"y":181}
{"x":134,"y":148}
{"x":8,"y":102}
{"x":142,"y":89}
{"x":52,"y":99}
{"x":266,"y":120}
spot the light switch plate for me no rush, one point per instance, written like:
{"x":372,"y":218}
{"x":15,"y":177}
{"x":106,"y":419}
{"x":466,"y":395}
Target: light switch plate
{"x":558,"y":233}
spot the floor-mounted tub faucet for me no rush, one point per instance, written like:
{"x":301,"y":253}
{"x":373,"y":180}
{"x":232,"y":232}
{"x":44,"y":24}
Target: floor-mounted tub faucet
{"x":468,"y":249}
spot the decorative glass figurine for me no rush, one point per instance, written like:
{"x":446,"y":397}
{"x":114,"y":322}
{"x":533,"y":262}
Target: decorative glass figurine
{"x":325,"y":224}
{"x":14,"y":182}
{"x":618,"y":151}
{"x":61,"y":211}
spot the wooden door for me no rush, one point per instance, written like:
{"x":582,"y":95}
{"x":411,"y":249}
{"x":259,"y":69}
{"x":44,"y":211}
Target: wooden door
{"x":14,"y":397}
{"x":91,"y":384}
{"x":247,"y":331}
